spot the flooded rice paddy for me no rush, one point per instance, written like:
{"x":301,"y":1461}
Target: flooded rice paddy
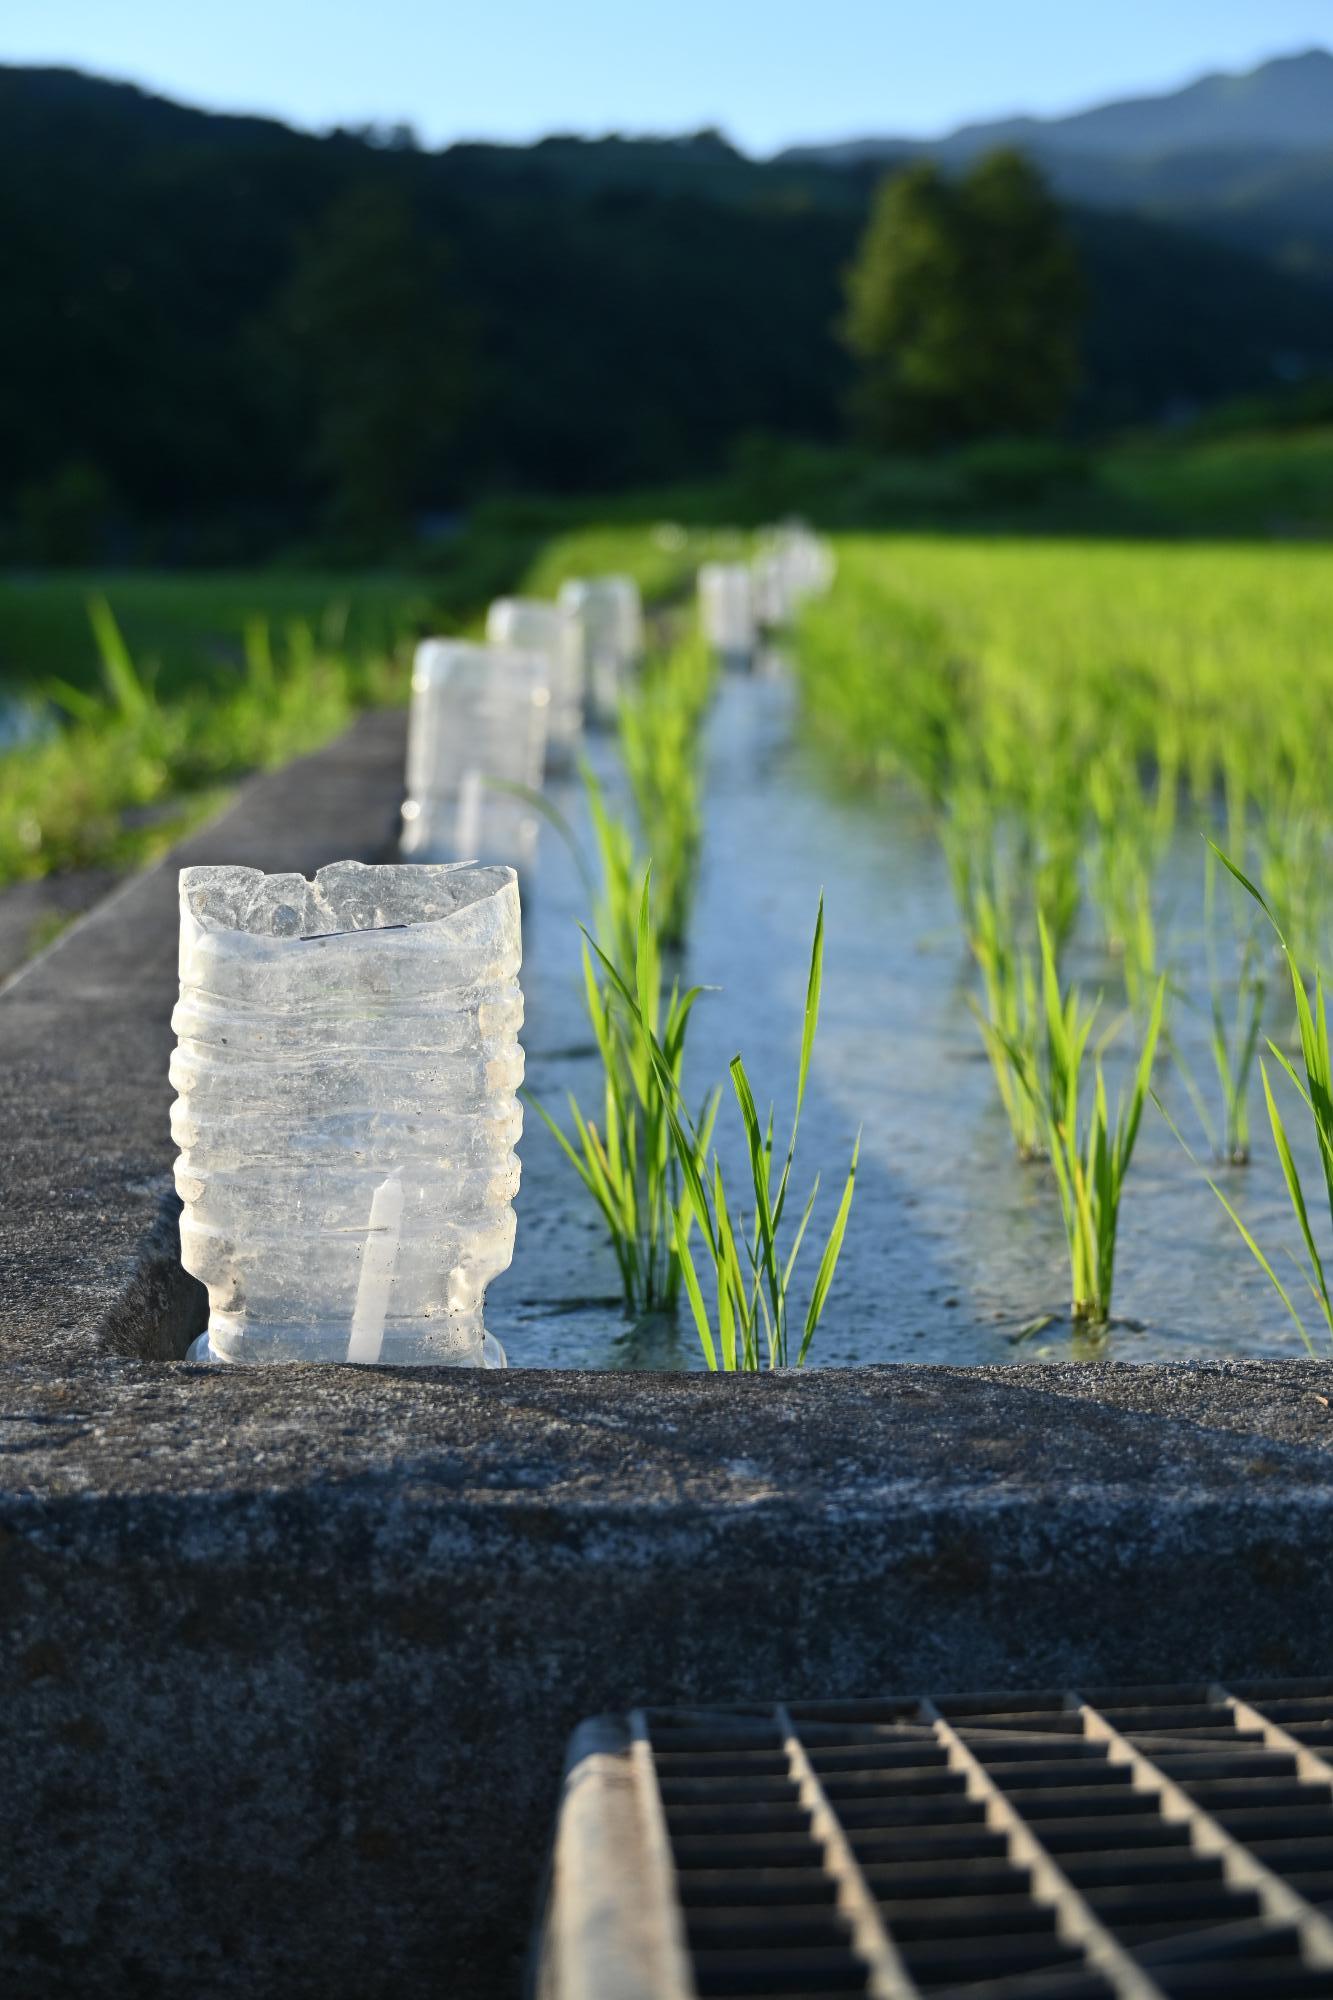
{"x":954,"y":1249}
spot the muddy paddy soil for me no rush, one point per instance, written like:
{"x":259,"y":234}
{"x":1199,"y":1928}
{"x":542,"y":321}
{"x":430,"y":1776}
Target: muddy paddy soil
{"x":953,"y":1249}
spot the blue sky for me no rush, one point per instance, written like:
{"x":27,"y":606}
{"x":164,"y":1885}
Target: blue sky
{"x":767,"y":71}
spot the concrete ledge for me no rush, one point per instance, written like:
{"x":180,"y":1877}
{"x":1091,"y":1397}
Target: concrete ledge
{"x":289,"y":1659}
{"x":85,"y":1039}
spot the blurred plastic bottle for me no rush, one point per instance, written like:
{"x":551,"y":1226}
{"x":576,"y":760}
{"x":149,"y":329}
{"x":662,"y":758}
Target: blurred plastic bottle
{"x":346,"y":1070}
{"x":726,"y":610}
{"x":549,"y":631}
{"x":791,"y":564}
{"x":609,"y":616}
{"x":477,"y":728}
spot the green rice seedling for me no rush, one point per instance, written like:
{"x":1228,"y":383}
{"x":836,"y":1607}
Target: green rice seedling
{"x":752,"y":1265}
{"x":1292,"y":838}
{"x":1090,"y":1152}
{"x":1234,"y":1036}
{"x":1051,"y":809}
{"x":1234,"y":1046}
{"x":966,"y":825}
{"x":1316,"y":1094}
{"x":1132,"y":829}
{"x":133,"y":767}
{"x":661,"y":726}
{"x":617,"y":889}
{"x":628,"y":1162}
{"x":127,"y":696}
{"x":1010,"y":1023}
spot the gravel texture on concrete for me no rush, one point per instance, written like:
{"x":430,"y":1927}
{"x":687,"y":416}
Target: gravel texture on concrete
{"x":289,"y":1658}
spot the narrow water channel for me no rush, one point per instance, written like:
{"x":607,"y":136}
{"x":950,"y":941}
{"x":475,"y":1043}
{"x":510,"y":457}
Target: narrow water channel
{"x":953,"y":1247}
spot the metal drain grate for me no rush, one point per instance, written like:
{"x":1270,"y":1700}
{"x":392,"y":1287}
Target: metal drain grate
{"x":1098,"y":1844}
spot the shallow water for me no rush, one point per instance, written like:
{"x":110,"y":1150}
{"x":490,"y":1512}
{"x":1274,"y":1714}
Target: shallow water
{"x":953,"y":1248}
{"x":23,"y":719}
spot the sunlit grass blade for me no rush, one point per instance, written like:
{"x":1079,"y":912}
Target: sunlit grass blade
{"x":127,"y":688}
{"x":828,"y":1263}
{"x":1246,"y":1235}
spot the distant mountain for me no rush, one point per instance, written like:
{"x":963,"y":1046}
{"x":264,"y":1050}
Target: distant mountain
{"x":1284,"y":106}
{"x":1245,"y":160}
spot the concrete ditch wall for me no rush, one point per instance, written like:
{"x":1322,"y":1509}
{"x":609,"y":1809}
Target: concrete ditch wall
{"x":288,"y":1659}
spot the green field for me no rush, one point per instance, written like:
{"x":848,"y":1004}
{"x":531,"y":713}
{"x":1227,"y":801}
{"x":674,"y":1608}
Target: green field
{"x":1065,"y":708}
{"x":1074,"y":718}
{"x":198,"y":679}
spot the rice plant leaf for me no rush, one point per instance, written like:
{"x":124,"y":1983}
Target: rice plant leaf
{"x":801,"y":1227}
{"x":1143,"y":1075}
{"x":828,"y":1263}
{"x":1245,"y":1234}
{"x":1245,"y":883}
{"x":810,"y":1022}
{"x":644,"y":981}
{"x":1281,"y":1056}
{"x":1291,"y":1176}
{"x":128,"y":689}
{"x":694,"y":1293}
{"x":758,"y":1155}
{"x":77,"y":702}
{"x":555,"y":819}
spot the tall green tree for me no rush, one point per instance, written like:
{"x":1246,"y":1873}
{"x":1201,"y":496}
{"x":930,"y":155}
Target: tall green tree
{"x":964,"y":306}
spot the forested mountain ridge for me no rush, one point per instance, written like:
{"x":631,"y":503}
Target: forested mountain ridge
{"x":191,"y":299}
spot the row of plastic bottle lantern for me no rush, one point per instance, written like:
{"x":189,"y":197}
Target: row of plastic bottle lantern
{"x":489,"y":721}
{"x":342,"y":1200}
{"x":739,"y":601}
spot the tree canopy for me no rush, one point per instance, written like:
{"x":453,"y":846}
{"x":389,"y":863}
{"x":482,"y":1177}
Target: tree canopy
{"x":964,"y":306}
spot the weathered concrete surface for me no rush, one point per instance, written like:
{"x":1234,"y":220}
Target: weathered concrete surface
{"x":32,"y":912}
{"x":85,"y":1038}
{"x":288,"y":1659}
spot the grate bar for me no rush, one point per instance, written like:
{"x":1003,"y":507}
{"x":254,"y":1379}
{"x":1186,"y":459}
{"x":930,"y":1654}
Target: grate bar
{"x":1310,"y":1766}
{"x":1281,"y":1904}
{"x":677,"y":1967}
{"x":888,"y":1977}
{"x":1075,"y":1919}
{"x":1117,"y":1843}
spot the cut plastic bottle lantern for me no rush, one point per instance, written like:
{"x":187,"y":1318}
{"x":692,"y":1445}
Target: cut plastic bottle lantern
{"x":772,"y":593}
{"x":726,"y":609}
{"x":346,"y":1069}
{"x":792,"y":565}
{"x":609,"y":617}
{"x":550,"y":632}
{"x":477,"y":730}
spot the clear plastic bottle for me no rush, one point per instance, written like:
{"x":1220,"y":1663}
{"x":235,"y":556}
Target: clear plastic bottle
{"x":346,"y":1068}
{"x":477,"y":729}
{"x":609,"y":616}
{"x":726,"y":609}
{"x":531,"y":625}
{"x":791,"y":565}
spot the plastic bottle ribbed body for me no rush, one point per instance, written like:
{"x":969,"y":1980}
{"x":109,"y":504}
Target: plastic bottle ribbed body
{"x":477,"y":729}
{"x":608,"y":614}
{"x":726,"y":608}
{"x":530,"y":625}
{"x":346,"y":1071}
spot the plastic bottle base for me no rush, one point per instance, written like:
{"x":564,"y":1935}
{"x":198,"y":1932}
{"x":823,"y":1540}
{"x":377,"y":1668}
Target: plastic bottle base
{"x":201,"y":1354}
